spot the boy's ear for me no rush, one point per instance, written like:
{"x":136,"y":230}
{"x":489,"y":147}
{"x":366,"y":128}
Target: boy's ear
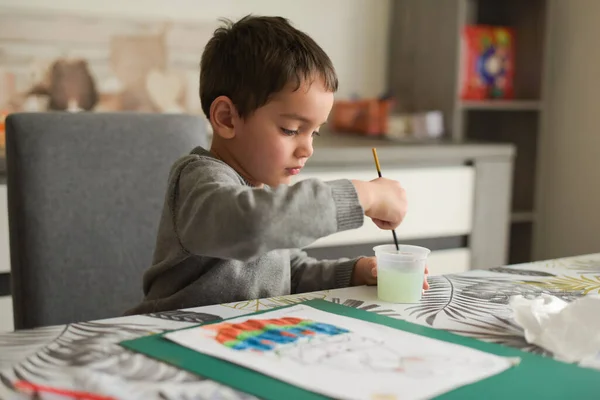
{"x":223,"y":116}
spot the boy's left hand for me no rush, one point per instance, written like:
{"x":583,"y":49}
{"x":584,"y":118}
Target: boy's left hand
{"x":365,"y":273}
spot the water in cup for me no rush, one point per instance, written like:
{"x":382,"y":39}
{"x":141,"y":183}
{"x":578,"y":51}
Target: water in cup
{"x":400,"y":273}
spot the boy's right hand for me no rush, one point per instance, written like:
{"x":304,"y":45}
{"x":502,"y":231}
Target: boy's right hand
{"x":384,"y":201}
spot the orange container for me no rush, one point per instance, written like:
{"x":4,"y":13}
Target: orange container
{"x":3,"y":130}
{"x":367,"y":116}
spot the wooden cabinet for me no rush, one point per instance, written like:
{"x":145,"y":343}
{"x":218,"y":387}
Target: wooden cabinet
{"x":441,"y":205}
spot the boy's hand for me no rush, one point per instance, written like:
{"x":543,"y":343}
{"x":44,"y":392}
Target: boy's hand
{"x":384,"y":201}
{"x":365,"y":273}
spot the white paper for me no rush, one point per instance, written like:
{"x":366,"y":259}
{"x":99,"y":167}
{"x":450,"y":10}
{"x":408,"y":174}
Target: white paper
{"x":361,"y":361}
{"x":569,"y":330}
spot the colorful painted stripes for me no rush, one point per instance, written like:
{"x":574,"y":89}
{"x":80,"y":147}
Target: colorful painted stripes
{"x":264,"y":335}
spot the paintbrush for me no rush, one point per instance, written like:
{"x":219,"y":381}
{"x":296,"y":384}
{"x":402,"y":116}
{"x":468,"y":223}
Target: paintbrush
{"x":379,"y":173}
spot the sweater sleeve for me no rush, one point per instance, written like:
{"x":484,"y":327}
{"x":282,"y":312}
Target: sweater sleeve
{"x":215,"y":215}
{"x":309,"y":274}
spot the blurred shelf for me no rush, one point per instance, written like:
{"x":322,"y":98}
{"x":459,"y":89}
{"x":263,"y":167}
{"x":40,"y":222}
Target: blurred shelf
{"x":501,"y":105}
{"x":522,"y":216}
{"x":421,"y":84}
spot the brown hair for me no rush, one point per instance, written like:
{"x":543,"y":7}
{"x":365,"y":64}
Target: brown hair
{"x":255,"y":57}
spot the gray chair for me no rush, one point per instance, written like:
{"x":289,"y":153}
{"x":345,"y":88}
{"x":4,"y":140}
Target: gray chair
{"x":85,"y":193}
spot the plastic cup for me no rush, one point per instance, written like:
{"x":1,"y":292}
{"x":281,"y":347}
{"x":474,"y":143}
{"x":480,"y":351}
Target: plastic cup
{"x":400,"y":273}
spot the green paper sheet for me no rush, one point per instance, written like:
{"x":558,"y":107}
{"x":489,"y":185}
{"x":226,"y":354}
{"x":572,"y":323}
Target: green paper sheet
{"x":535,"y":377}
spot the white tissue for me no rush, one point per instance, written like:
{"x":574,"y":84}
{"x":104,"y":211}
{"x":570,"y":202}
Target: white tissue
{"x":569,"y":330}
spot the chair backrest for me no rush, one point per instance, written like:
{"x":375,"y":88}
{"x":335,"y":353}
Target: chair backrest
{"x":85,"y":194}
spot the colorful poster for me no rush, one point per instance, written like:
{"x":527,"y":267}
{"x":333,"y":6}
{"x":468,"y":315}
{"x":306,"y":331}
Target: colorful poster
{"x":488,"y":62}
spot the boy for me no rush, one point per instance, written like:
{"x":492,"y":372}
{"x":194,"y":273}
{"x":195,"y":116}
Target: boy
{"x":232,"y":225}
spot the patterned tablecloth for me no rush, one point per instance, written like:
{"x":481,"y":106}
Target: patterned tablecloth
{"x":85,"y":356}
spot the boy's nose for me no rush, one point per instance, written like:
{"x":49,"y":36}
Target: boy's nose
{"x":304,"y":149}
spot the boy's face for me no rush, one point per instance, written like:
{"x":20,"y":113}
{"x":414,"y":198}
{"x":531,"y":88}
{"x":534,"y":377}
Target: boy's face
{"x":275,"y":141}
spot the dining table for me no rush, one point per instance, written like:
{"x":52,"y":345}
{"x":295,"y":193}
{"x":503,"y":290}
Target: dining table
{"x":85,"y":358}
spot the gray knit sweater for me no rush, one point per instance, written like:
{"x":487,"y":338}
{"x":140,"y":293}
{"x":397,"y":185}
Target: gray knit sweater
{"x":221,"y":240}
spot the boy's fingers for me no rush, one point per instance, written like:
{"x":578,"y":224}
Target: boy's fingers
{"x":382,"y":224}
{"x":371,"y":281}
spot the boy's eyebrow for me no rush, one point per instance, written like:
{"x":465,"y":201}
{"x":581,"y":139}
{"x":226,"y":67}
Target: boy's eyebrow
{"x":299,"y":118}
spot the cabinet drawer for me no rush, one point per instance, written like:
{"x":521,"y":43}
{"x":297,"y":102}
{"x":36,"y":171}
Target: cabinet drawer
{"x":4,"y":244}
{"x":451,"y":261}
{"x":6,"y":314}
{"x":440,"y":203}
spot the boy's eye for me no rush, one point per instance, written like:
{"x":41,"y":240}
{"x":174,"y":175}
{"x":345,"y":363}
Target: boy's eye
{"x":289,"y":132}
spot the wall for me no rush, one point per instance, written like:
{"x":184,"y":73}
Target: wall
{"x":352,"y":32}
{"x":569,"y":189}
